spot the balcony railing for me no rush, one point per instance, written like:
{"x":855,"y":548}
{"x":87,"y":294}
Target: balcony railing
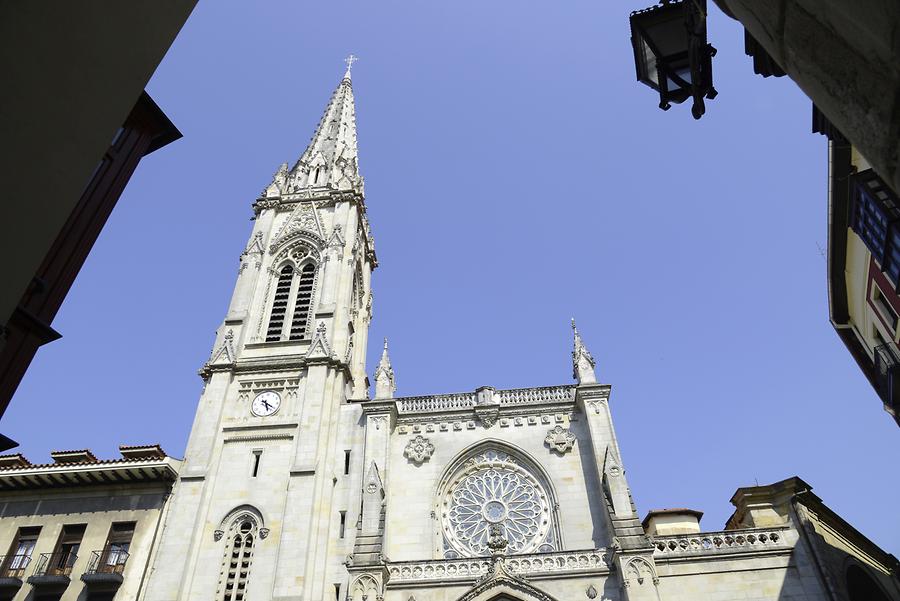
{"x":875,"y":217}
{"x":55,"y":564}
{"x":107,"y":561}
{"x":13,"y":566}
{"x":887,"y":375}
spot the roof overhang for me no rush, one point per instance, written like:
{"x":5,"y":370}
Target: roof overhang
{"x":115,"y":473}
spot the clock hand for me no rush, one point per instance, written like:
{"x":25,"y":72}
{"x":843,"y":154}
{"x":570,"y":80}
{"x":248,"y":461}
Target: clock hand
{"x":266,"y":404}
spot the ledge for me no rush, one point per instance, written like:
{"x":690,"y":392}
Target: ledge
{"x":535,"y":566}
{"x":49,"y":580}
{"x":106,"y":580}
{"x":261,"y":426}
{"x":10,"y":582}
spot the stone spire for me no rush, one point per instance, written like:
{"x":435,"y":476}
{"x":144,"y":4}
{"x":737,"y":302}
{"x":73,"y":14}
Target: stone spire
{"x":582,"y":361}
{"x":384,"y":376}
{"x":330,"y":160}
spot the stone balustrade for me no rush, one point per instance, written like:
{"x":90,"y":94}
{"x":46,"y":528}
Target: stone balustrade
{"x":729,"y":541}
{"x":534,"y":564}
{"x":537,"y":396}
{"x":439,"y":402}
{"x":467,"y":400}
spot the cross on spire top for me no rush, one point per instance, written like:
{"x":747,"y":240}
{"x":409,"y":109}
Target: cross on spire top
{"x":350,"y":60}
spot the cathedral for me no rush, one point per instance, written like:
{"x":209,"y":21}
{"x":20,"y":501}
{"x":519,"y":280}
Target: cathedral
{"x":299,"y":483}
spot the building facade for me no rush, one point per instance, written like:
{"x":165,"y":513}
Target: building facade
{"x":81,"y":528}
{"x":298,"y":484}
{"x":864,"y":264}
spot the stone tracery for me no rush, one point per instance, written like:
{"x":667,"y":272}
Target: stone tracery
{"x":492,"y":488}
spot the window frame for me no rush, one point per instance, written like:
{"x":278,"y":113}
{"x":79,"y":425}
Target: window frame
{"x":118,"y":544}
{"x":18,"y":562}
{"x":287,"y":324}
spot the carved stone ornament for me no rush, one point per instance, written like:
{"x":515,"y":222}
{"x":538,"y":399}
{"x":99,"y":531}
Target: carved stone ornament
{"x":385,"y":384}
{"x":225,"y":354}
{"x":303,"y":219}
{"x":418,"y":449}
{"x":497,"y":541}
{"x":319,"y":347}
{"x":560,"y":439}
{"x":591,"y":592}
{"x":336,"y":240}
{"x":639,"y":569}
{"x":487,"y":414}
{"x":373,"y":481}
{"x":582,"y":362}
{"x":500,"y":578}
{"x":218,"y":534}
{"x":263,"y":532}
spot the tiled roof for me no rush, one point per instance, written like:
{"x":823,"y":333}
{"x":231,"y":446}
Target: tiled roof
{"x":84,"y":457}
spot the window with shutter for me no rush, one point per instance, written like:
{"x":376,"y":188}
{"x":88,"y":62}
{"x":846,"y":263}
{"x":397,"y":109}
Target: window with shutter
{"x":280,"y":304}
{"x":303,"y":302}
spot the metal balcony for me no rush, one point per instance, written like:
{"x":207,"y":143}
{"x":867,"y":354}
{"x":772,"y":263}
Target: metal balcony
{"x":53,"y":570}
{"x":875,"y":217}
{"x":12,"y":570}
{"x":105,"y":568}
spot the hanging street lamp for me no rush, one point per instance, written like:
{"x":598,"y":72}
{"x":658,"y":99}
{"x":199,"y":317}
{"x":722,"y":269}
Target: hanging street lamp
{"x":671,"y":54}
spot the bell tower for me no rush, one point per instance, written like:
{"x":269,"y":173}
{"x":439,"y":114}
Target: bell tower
{"x":260,"y":509}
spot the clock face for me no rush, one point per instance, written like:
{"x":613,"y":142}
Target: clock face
{"x":265,"y":403}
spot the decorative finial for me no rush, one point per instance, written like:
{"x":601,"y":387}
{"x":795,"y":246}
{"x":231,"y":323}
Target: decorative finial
{"x":349,"y":60}
{"x":582,"y":361}
{"x":385,"y":384}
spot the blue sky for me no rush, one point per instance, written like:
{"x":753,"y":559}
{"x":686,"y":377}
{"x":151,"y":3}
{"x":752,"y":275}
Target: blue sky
{"x":516,"y":175}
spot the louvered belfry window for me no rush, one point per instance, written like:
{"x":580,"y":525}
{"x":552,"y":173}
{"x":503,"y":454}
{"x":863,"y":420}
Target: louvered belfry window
{"x":303,"y":302}
{"x":280,"y":305}
{"x":238,"y":557}
{"x":290,"y":311}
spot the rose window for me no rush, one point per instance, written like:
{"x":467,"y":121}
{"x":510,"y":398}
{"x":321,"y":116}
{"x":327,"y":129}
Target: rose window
{"x":493,"y":488}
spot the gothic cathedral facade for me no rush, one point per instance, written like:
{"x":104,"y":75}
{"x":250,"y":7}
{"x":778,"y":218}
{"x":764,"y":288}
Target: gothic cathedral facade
{"x":300,"y":484}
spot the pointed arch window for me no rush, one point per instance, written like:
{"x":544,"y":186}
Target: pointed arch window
{"x":291,"y":305}
{"x":237,"y":561}
{"x":280,"y":304}
{"x":300,"y":319}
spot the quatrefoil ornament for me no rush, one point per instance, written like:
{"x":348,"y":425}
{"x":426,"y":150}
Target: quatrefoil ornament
{"x":560,"y":439}
{"x":418,"y":449}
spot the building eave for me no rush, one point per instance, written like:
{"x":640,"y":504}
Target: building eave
{"x":96,"y":473}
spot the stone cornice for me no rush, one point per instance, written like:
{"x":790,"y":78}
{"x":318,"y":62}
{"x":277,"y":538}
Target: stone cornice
{"x":274,"y":364}
{"x":371,"y":407}
{"x":291,"y":424}
{"x":593,"y":392}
